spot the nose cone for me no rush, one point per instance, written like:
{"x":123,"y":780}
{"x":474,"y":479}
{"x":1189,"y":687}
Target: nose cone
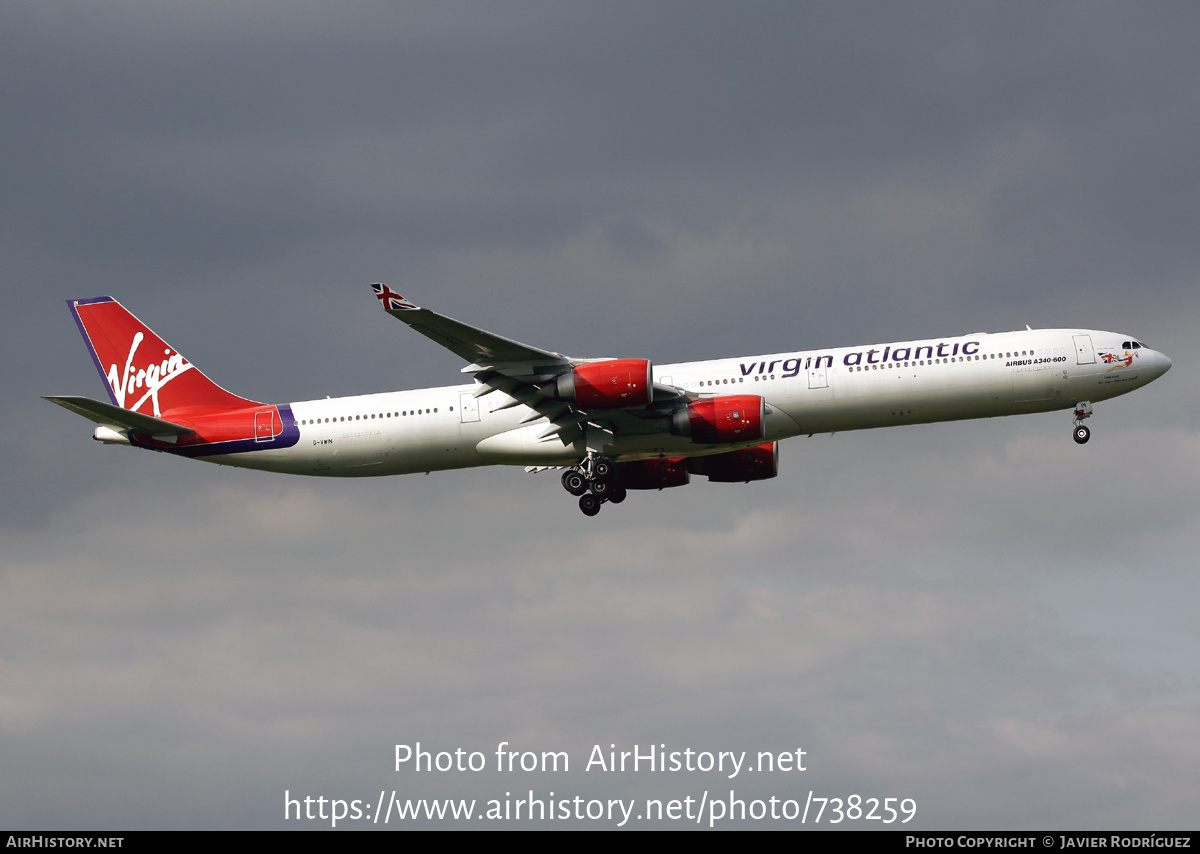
{"x":1161,"y":364}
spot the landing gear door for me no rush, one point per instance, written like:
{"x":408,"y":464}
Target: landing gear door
{"x":1084,"y":354}
{"x":468,"y":407}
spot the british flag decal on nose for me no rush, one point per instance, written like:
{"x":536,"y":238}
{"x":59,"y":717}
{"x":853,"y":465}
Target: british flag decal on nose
{"x":390,"y":300}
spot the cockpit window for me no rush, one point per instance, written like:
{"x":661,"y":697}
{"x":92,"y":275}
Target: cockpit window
{"x":1136,"y":345}
{"x":1126,"y":345}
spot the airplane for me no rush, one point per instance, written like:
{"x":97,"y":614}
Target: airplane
{"x":611,"y":424}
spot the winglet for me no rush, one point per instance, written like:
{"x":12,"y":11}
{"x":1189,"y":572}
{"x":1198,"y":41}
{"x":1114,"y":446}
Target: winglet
{"x":389,"y":299}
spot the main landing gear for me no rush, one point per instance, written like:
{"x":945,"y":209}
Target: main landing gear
{"x":1083,"y":410}
{"x":594,"y":481}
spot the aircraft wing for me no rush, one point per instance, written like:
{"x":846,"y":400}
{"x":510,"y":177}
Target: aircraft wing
{"x":118,"y":418}
{"x":526,"y":374}
{"x":475,"y":345}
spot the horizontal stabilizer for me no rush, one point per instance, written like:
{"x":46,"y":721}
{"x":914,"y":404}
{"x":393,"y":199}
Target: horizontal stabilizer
{"x":118,"y":418}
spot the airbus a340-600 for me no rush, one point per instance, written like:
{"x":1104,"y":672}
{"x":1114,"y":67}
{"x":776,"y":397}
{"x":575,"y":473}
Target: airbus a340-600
{"x":612,"y":425}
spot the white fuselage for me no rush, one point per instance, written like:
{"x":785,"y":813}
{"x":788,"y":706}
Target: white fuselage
{"x":814,"y":391}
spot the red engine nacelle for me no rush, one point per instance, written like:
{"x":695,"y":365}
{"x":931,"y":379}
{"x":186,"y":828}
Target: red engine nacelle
{"x":714,"y":420}
{"x":761,"y":463}
{"x":651,"y":474}
{"x":618,"y":384}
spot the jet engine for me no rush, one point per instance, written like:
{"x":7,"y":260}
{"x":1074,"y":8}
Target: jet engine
{"x":715,"y":420}
{"x":651,"y":474}
{"x":760,"y":463}
{"x":619,"y":384}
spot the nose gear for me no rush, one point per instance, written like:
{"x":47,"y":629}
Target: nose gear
{"x":1083,"y":410}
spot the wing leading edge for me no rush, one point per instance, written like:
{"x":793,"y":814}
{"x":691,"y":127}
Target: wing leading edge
{"x":477,"y":346}
{"x":528,"y":375}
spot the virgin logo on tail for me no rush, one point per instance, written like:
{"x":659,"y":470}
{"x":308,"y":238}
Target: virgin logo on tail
{"x":152,"y":378}
{"x":138,"y":365}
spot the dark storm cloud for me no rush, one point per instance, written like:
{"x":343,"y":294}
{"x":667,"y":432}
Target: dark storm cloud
{"x":531,"y":124}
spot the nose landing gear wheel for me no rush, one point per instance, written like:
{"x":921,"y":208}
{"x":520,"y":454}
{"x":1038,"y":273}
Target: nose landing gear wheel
{"x":1083,"y":410}
{"x":589,"y":504}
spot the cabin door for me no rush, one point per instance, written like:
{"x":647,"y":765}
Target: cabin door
{"x":1084,"y":354}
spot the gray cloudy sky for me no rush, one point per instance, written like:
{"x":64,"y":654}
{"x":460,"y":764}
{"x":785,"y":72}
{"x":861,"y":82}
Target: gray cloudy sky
{"x":980,"y":616}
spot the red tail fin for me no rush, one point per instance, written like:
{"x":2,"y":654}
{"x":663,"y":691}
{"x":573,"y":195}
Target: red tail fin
{"x":143,"y":372}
